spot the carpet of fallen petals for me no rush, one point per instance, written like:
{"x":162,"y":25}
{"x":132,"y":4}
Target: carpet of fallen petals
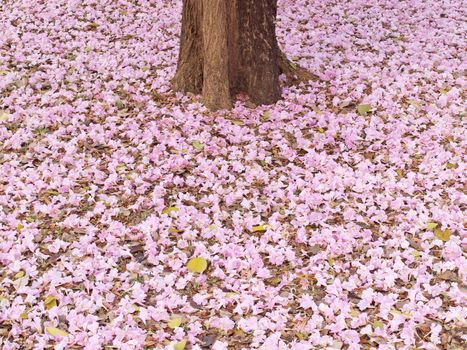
{"x":332,"y":220}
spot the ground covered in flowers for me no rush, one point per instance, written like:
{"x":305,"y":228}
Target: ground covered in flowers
{"x":333,"y":219}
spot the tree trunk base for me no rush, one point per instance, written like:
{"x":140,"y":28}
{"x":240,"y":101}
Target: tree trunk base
{"x":294,"y":74}
{"x":229,"y":47}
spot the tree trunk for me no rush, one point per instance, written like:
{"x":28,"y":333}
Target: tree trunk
{"x":228,"y":47}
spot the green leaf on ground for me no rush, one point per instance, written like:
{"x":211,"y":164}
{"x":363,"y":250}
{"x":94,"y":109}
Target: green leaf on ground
{"x":363,"y":109}
{"x":199,"y":146}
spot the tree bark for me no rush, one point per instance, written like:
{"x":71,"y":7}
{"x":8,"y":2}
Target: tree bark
{"x":189,"y":76}
{"x":228,"y":47}
{"x":216,"y":81}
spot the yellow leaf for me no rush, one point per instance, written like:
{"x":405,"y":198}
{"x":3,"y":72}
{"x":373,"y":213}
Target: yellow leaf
{"x":212,"y":227}
{"x":354,"y":313}
{"x":197,"y":145}
{"x":19,"y":227}
{"x":19,"y":274}
{"x":307,"y":277}
{"x":400,"y":172}
{"x":400,"y":313}
{"x":4,"y":117}
{"x":265,"y":117}
{"x":452,"y":165}
{"x":363,"y":109}
{"x":169,"y":210}
{"x":416,"y":254}
{"x":443,"y":235}
{"x":174,"y":230}
{"x":320,"y":130}
{"x":239,"y":332}
{"x":260,"y":228}
{"x":197,"y":265}
{"x":180,"y":345}
{"x":120,"y":167}
{"x":50,"y":302}
{"x":52,"y":192}
{"x":23,"y":315}
{"x":378,"y":324}
{"x":431,"y":226}
{"x":56,"y":332}
{"x":174,"y":323}
{"x":275,"y":281}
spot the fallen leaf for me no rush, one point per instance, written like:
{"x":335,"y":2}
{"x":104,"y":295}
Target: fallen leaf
{"x":174,"y":230}
{"x":50,"y":302}
{"x":447,"y":276}
{"x":197,"y":145}
{"x":4,"y":117}
{"x":169,"y":210}
{"x":209,"y":340}
{"x":120,"y":167}
{"x":20,"y":274}
{"x":265,"y":117}
{"x":56,"y":332}
{"x":21,"y":282}
{"x":260,"y":228}
{"x":174,"y":323}
{"x":431,"y":226}
{"x":443,"y":235}
{"x":314,"y":249}
{"x":363,"y":109}
{"x":197,"y":265}
{"x":400,"y":313}
{"x":377,"y":324}
{"x":354,"y":313}
{"x":180,"y":345}
{"x":120,"y":104}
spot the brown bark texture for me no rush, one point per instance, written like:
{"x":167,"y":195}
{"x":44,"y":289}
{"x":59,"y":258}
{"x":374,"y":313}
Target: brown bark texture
{"x":229,"y":47}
